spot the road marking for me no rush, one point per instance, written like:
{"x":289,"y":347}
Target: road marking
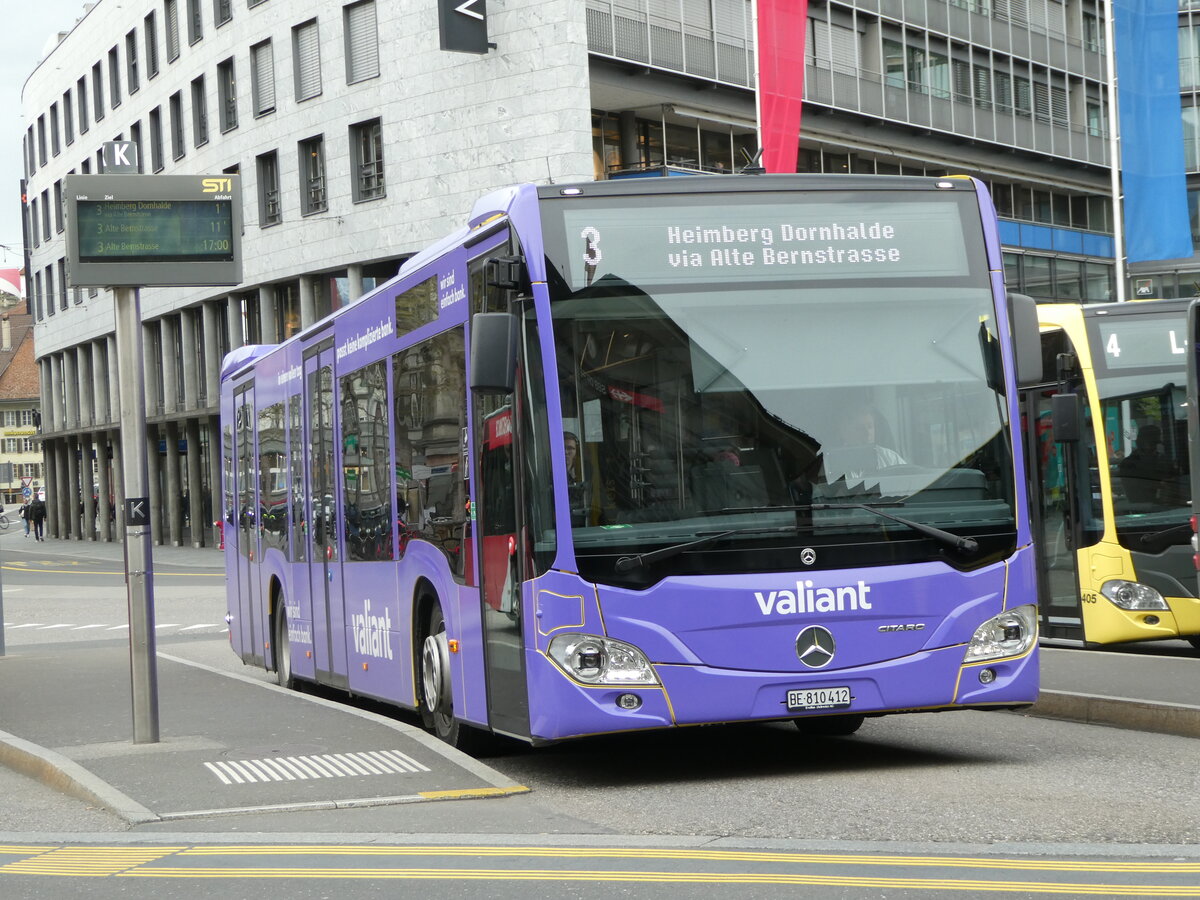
{"x":327,"y":765}
{"x":144,"y":862}
{"x":88,"y":860}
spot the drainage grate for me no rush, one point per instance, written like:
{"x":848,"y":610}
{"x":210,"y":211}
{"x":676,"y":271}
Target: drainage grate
{"x":303,"y":768}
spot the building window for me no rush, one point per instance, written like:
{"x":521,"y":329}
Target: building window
{"x":34,"y":232}
{"x":41,"y":136}
{"x":362,"y":42}
{"x":69,"y":117}
{"x":114,"y":77}
{"x":222,"y":12}
{"x":177,"y":137}
{"x":262,"y":78}
{"x":81,"y":87}
{"x":55,"y":146}
{"x":97,"y":92}
{"x":306,"y":51}
{"x":171,"y":11}
{"x":131,"y":62}
{"x":50,"y":305}
{"x":135,"y":135}
{"x":42,"y":298}
{"x":31,"y":165}
{"x":366,"y":147}
{"x":58,"y":207}
{"x":156,"y":140}
{"x":199,"y":112}
{"x":195,"y":22}
{"x":269,"y":211}
{"x":227,"y":95}
{"x":313,"y":198}
{"x":151,"y":28}
{"x":62,"y":283}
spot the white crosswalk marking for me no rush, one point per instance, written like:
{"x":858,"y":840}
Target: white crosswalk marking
{"x":326,"y":765}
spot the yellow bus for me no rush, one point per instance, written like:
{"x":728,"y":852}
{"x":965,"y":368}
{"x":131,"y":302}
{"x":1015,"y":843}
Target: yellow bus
{"x":1110,"y":474}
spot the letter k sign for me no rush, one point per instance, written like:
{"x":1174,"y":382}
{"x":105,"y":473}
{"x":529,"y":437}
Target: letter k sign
{"x":120,"y":157}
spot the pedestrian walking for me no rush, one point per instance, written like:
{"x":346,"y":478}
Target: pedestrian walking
{"x":37,"y":512}
{"x":25,"y":516}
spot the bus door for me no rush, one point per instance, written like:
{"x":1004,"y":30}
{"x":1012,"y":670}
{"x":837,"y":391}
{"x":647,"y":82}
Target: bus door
{"x":1061,"y":486}
{"x":497,"y":525}
{"x":322,"y":508}
{"x":248,"y":635}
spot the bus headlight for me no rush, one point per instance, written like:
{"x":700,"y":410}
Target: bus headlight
{"x":1132,"y":595}
{"x":1011,"y":633}
{"x":600,"y":660}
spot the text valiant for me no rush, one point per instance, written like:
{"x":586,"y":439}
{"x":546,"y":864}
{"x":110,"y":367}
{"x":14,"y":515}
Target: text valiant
{"x":808,"y":599}
{"x":371,"y":633}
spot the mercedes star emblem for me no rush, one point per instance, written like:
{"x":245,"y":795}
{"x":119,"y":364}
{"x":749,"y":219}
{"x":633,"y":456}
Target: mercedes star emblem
{"x":815,"y":646}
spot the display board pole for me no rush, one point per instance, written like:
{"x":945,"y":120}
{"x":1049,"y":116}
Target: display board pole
{"x":139,"y":573}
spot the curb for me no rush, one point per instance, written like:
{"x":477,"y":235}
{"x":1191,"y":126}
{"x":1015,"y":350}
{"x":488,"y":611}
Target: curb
{"x":56,"y":771}
{"x":1140,"y":715}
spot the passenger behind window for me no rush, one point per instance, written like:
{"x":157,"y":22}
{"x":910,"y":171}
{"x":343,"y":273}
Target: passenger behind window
{"x":1147,"y":472}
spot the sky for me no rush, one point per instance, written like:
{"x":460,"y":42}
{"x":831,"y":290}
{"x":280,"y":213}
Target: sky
{"x":29,"y":24}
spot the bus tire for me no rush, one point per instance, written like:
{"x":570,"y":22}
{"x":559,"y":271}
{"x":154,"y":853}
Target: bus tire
{"x":1194,"y":640}
{"x":283,"y":648}
{"x":829,"y":726}
{"x":437,"y":691}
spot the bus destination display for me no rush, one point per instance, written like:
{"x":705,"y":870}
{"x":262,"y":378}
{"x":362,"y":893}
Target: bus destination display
{"x":733,"y":242}
{"x":154,"y":230}
{"x":1131,"y":342}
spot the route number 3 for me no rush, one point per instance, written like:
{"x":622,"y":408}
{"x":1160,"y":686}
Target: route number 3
{"x":592,"y":254}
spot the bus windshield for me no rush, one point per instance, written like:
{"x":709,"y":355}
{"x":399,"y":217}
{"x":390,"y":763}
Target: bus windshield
{"x":787,"y":411}
{"x":1140,"y":372}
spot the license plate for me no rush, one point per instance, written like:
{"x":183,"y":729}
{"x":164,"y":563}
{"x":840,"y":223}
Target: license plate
{"x":819,"y":698}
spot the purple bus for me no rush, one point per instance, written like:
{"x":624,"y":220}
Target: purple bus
{"x":640,"y":454}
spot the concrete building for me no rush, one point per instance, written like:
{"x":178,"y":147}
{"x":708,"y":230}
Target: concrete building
{"x":359,"y":140}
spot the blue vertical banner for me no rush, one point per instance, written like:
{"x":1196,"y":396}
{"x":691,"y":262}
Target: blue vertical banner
{"x":1152,"y":169}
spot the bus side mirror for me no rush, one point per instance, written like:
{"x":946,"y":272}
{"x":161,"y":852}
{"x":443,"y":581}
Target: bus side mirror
{"x":1065,"y":418}
{"x":494,"y":353}
{"x":1027,"y":340}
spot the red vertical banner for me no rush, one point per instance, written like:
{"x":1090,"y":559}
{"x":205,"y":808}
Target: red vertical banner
{"x":780,"y":44}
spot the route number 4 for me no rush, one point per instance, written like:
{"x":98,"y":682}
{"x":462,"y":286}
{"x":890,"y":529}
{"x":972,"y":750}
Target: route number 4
{"x":1112,"y":348}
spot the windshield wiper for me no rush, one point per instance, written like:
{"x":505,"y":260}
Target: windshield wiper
{"x":626,"y":563}
{"x":1176,"y":534}
{"x":965,"y":545}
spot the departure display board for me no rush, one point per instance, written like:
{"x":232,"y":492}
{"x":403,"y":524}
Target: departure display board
{"x":153,"y":230}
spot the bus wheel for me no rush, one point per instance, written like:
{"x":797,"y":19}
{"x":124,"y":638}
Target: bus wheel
{"x":436,"y":695}
{"x":829,"y":726}
{"x":283,"y":649}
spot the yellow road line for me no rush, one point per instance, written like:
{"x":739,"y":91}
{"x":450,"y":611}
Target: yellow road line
{"x":467,"y":793}
{"x":874,"y":859}
{"x":560,"y":875}
{"x":91,"y":861}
